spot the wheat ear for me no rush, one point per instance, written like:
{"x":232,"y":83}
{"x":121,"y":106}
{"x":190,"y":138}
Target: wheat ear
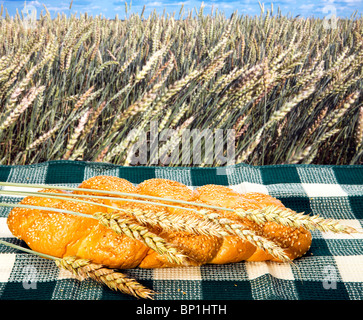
{"x":83,"y":98}
{"x":261,"y":215}
{"x":86,"y":269}
{"x":290,"y":218}
{"x":43,"y":137}
{"x":359,"y":129}
{"x":128,"y":227}
{"x":241,"y":231}
{"x":167,"y":221}
{"x":77,"y":132}
{"x":23,"y":105}
{"x":114,"y":280}
{"x":155,"y":218}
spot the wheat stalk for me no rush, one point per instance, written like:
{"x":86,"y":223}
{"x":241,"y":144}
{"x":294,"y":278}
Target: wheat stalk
{"x":149,"y":65}
{"x":341,"y":110}
{"x":83,"y":99}
{"x":129,"y":227}
{"x":159,"y":201}
{"x":104,"y":66}
{"x":290,"y":218}
{"x":301,"y":155}
{"x":172,"y":222}
{"x":285,"y":109}
{"x":318,"y":121}
{"x":359,"y":129}
{"x":23,"y":105}
{"x":94,"y":114}
{"x":244,"y":233}
{"x":123,"y":226}
{"x":86,"y":269}
{"x":114,"y":280}
{"x":128,"y":62}
{"x":155,"y":218}
{"x":44,"y":137}
{"x":102,"y":155}
{"x":162,"y":154}
{"x":77,"y":132}
{"x":274,"y":58}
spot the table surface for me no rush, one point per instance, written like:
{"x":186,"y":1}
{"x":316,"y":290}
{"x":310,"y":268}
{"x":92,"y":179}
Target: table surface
{"x":331,"y":269}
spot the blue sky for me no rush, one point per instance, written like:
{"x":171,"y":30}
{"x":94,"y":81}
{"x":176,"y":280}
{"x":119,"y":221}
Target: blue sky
{"x":109,"y":8}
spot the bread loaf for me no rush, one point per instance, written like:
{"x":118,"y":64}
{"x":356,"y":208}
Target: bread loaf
{"x":63,"y":234}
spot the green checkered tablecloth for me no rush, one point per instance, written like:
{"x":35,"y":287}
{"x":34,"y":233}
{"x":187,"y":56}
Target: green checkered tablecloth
{"x":332,"y":269}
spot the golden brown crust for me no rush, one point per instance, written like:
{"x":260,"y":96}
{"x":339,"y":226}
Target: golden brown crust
{"x":165,"y":188}
{"x":200,"y":248}
{"x":47,"y":231}
{"x":61,"y":234}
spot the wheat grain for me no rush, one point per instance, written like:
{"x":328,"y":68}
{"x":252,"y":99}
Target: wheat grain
{"x":170,"y":222}
{"x":84,"y":268}
{"x":44,"y":137}
{"x":22,"y":106}
{"x":128,"y":227}
{"x":83,"y":99}
{"x":114,"y":280}
{"x":359,"y":129}
{"x":77,"y":132}
{"x":246,"y":234}
{"x":274,"y":59}
{"x":290,"y":218}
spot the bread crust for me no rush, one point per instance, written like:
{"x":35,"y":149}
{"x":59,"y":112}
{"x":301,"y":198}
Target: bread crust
{"x":62,"y":234}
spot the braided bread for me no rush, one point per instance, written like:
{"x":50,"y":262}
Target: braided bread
{"x":62,"y":234}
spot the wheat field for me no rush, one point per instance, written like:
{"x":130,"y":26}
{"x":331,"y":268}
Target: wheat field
{"x":73,"y":87}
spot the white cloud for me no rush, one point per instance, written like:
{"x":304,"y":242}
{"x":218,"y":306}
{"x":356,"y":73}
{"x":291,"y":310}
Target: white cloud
{"x":307,"y":6}
{"x":155,"y":4}
{"x":59,"y":8}
{"x":34,"y":3}
{"x":94,"y":7}
{"x":220,"y":5}
{"x":162,"y":4}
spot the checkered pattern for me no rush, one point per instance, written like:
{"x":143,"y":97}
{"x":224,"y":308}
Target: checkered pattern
{"x":332,"y":269}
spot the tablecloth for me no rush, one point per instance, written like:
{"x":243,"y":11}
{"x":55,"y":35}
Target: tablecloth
{"x":331,"y":269}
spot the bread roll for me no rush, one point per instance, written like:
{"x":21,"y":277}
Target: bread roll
{"x":62,"y":234}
